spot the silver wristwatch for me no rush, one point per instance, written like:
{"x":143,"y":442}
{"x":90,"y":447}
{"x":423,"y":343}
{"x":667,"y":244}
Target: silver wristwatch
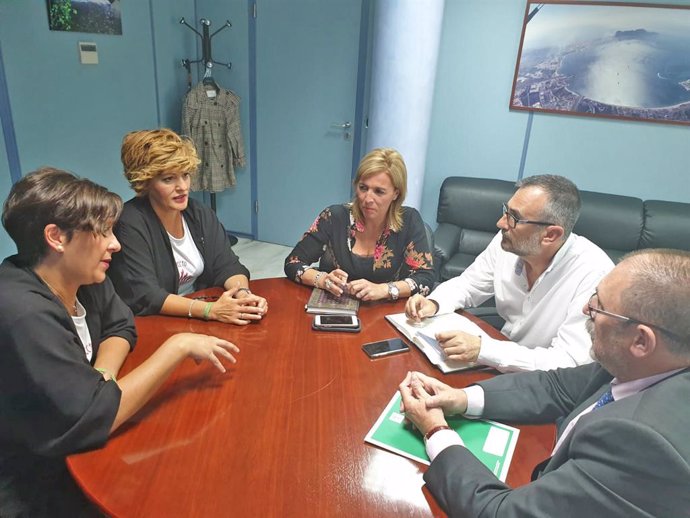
{"x":393,"y":291}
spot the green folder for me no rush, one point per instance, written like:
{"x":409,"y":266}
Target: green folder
{"x":492,"y":443}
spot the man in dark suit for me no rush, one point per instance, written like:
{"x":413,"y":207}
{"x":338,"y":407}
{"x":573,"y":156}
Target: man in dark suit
{"x":623,"y":423}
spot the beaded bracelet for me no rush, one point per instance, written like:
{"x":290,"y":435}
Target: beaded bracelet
{"x":207,"y":310}
{"x":105,"y":371}
{"x":316,"y":279}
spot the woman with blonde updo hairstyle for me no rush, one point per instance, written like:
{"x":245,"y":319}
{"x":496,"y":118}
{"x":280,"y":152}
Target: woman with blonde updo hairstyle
{"x":173,"y":245}
{"x":373,"y":247}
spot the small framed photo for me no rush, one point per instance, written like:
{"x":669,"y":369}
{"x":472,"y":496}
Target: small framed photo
{"x":95,"y":16}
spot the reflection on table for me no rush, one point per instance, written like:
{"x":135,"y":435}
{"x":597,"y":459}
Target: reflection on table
{"x":282,"y":432}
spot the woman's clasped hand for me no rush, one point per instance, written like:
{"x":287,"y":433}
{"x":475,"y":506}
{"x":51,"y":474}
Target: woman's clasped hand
{"x":238,"y":306}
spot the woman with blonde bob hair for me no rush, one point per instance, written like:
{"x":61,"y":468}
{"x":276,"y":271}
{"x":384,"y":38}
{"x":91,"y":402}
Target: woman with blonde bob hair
{"x":372,"y":248}
{"x":64,"y":334}
{"x":173,"y":245}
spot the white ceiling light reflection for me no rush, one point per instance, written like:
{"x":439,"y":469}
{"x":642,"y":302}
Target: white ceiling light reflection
{"x":394,"y":478}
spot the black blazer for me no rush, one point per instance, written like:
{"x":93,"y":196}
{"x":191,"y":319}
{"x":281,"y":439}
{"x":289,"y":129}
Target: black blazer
{"x":144,"y":271}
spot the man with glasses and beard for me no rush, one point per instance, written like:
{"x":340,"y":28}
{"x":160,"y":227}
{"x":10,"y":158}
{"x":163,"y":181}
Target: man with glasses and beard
{"x":540,"y":274}
{"x":622,"y":423}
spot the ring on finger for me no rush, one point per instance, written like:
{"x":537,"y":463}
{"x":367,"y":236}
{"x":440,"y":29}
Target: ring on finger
{"x":328,"y":284}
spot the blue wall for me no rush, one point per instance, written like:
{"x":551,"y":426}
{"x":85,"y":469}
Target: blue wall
{"x":473,"y":133}
{"x":70,"y":115}
{"x":233,"y":205}
{"x":74,"y":116}
{"x":6,"y":245}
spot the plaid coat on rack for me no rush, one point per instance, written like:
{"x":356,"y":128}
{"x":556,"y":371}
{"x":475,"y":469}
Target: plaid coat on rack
{"x":213,"y":123}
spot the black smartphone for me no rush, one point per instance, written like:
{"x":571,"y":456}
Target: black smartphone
{"x":385,"y":347}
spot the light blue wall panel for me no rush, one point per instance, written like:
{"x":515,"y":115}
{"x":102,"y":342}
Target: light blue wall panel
{"x":173,"y":43}
{"x":231,"y":45}
{"x":642,"y":159}
{"x":472,"y":132}
{"x":475,"y":134}
{"x":74,"y":116}
{"x":70,"y":115}
{"x":6,"y":244}
{"x":649,"y":161}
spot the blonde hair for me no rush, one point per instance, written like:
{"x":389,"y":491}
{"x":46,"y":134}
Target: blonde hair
{"x":146,"y":154}
{"x":389,"y":161}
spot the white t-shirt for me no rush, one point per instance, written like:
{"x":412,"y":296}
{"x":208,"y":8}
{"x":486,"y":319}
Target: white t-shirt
{"x":190,"y":264}
{"x":83,"y":330}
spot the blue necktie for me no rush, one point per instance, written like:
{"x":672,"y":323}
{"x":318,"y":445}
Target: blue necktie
{"x":605,"y":399}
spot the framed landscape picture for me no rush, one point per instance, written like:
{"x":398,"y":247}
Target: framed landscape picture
{"x":96,"y":16}
{"x":620,"y":60}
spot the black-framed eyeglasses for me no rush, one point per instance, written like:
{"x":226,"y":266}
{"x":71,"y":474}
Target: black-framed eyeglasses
{"x":513,"y":220}
{"x":593,"y":310}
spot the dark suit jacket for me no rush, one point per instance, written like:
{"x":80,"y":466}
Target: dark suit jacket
{"x":630,"y":458}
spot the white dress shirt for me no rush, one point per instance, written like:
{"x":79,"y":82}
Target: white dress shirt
{"x":545,"y":325}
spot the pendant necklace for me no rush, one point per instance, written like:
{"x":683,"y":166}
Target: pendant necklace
{"x":64,"y":302}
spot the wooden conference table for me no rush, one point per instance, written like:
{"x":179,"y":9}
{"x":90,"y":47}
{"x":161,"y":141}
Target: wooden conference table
{"x":282,"y":432}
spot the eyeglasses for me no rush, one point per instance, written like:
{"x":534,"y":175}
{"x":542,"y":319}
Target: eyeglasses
{"x":592,"y":310}
{"x":513,"y":220}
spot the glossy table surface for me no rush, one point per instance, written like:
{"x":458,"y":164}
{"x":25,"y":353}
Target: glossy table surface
{"x":282,"y":432}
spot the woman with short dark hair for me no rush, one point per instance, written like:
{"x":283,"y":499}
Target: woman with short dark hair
{"x":64,"y":334}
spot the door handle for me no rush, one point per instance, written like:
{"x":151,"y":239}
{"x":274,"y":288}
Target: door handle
{"x":341,"y":125}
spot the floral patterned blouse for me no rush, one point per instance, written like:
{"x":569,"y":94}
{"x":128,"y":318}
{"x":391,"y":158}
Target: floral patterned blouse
{"x":403,"y":255}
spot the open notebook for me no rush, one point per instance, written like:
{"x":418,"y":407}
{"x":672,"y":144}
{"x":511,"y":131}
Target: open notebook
{"x":422,"y":335}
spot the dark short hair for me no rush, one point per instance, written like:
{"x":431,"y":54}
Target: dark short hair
{"x":51,"y":195}
{"x":563,"y":205}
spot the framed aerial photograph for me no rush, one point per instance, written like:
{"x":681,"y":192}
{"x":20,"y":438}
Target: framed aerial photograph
{"x":95,"y":16}
{"x":603,"y":59}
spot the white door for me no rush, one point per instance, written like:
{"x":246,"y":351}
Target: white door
{"x":306,"y":82}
